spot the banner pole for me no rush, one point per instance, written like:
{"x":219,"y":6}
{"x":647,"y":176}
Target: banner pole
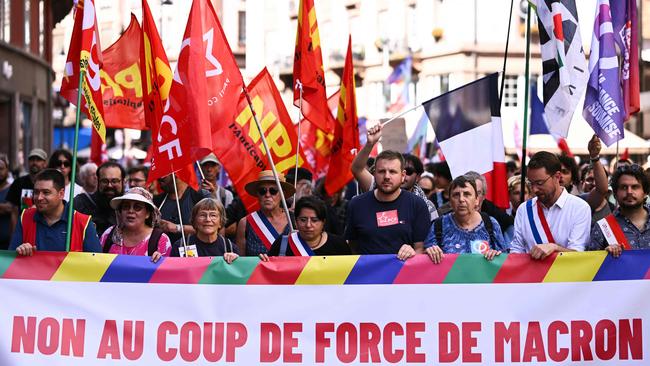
{"x":505,"y":56}
{"x":268,"y":154}
{"x":300,"y":117}
{"x":401,"y":114}
{"x":68,"y":234}
{"x":198,"y":165}
{"x":526,"y":92}
{"x":180,"y":216}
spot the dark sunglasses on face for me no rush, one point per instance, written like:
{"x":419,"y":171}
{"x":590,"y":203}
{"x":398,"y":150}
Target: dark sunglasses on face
{"x":263,"y":190}
{"x":409,"y":170}
{"x":137,"y":207}
{"x":63,"y":163}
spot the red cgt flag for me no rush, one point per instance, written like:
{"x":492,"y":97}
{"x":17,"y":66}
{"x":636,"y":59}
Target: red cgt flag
{"x":98,"y":152}
{"x":121,"y":84}
{"x":308,"y":69}
{"x":346,"y":132}
{"x":85,"y":54}
{"x":317,"y":143}
{"x":241,"y":150}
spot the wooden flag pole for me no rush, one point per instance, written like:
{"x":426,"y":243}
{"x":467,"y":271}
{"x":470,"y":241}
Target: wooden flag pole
{"x":68,"y":234}
{"x":180,"y":215}
{"x":300,"y":117}
{"x":526,"y":92}
{"x":401,"y":114}
{"x":268,"y":154}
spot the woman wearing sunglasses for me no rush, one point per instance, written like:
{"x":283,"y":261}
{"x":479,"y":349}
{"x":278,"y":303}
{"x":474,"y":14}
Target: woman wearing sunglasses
{"x":311,"y":238}
{"x":135,"y":232}
{"x":258,"y":230}
{"x":61,"y":160}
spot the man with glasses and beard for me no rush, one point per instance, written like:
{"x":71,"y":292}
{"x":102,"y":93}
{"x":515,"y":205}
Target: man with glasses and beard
{"x":388,"y":219}
{"x":413,"y":168}
{"x":554,"y":220}
{"x":629,"y":225}
{"x":110,"y":184}
{"x":21,"y":190}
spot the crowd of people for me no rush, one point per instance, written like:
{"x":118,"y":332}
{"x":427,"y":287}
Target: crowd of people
{"x":396,"y":205}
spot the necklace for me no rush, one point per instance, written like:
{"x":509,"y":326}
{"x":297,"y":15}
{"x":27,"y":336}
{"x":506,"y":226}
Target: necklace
{"x":318,"y":243}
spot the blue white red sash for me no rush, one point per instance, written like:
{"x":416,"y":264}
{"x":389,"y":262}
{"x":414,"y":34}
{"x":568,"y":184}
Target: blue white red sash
{"x":613,"y":232}
{"x":299,"y":247}
{"x":263,"y":228}
{"x":538,"y":224}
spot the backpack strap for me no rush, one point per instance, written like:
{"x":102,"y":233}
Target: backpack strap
{"x":109,"y":241}
{"x":437,"y":230}
{"x":490,"y":229}
{"x":154,"y":238}
{"x":283,"y":245}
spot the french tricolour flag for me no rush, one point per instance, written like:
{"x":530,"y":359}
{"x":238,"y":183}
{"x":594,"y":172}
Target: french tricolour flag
{"x":467,"y":122}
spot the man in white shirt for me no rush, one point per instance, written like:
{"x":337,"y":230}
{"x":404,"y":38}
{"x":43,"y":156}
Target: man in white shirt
{"x":554,"y":220}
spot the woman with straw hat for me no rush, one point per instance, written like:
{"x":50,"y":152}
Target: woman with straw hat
{"x":135,"y":232}
{"x":257,"y":231}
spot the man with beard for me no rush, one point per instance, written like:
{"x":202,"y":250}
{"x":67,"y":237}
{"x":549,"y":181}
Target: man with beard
{"x":388,"y":219}
{"x":21,"y":190}
{"x":629,"y":225}
{"x":45,"y":225}
{"x":413,"y":168}
{"x":554,"y":220}
{"x":110,"y":184}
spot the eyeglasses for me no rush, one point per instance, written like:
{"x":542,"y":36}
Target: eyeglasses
{"x":263,"y":190}
{"x":136,"y":206}
{"x":106,"y":181}
{"x":212,"y":216}
{"x":304,"y":220}
{"x":628,"y":168}
{"x":63,"y":163}
{"x":538,"y":183}
{"x":409,"y":170}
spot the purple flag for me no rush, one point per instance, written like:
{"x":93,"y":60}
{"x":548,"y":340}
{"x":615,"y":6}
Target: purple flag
{"x":604,"y":109}
{"x":624,"y":21}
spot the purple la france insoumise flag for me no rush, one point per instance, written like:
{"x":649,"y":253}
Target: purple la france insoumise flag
{"x":604,"y":109}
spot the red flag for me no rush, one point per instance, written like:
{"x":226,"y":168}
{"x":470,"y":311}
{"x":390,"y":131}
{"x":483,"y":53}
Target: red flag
{"x":564,"y":147}
{"x":85,"y":54}
{"x":121,"y":84}
{"x":200,"y":91}
{"x":98,"y":152}
{"x":626,"y":154}
{"x":308,"y":69}
{"x":241,"y":150}
{"x":346,"y":131}
{"x":317,"y":143}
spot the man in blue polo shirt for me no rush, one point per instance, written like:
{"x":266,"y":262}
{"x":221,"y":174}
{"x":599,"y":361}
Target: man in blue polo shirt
{"x":388,"y":219}
{"x":45,"y":226}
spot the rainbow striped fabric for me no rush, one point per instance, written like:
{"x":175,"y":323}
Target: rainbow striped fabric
{"x":341,"y":270}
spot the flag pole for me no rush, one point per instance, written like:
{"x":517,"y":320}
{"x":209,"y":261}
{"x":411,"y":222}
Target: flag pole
{"x":300,"y":117}
{"x":526,"y":92}
{"x":268,"y":154}
{"x":401,"y":114}
{"x":198,"y":165}
{"x":505,"y":56}
{"x":68,"y":234}
{"x":180,"y":216}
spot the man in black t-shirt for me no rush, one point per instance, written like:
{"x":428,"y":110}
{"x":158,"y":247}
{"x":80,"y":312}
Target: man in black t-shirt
{"x":388,"y":219}
{"x":21,"y":190}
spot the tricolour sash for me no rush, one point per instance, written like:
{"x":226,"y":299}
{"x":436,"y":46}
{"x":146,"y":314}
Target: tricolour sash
{"x":263,"y":228}
{"x":299,"y":247}
{"x":538,"y":224}
{"x":613,"y":232}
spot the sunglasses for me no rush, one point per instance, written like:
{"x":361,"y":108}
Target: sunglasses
{"x":263,"y":190}
{"x":409,"y":170}
{"x":629,"y":168}
{"x":137,"y":207}
{"x":63,"y":163}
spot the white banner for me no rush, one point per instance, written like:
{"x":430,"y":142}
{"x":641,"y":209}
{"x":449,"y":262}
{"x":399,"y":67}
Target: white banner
{"x":68,"y":323}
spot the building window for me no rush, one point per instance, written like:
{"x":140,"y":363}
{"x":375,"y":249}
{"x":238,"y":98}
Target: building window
{"x":27,"y":26}
{"x":5,"y":20}
{"x":510,"y":91}
{"x":241,"y":30}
